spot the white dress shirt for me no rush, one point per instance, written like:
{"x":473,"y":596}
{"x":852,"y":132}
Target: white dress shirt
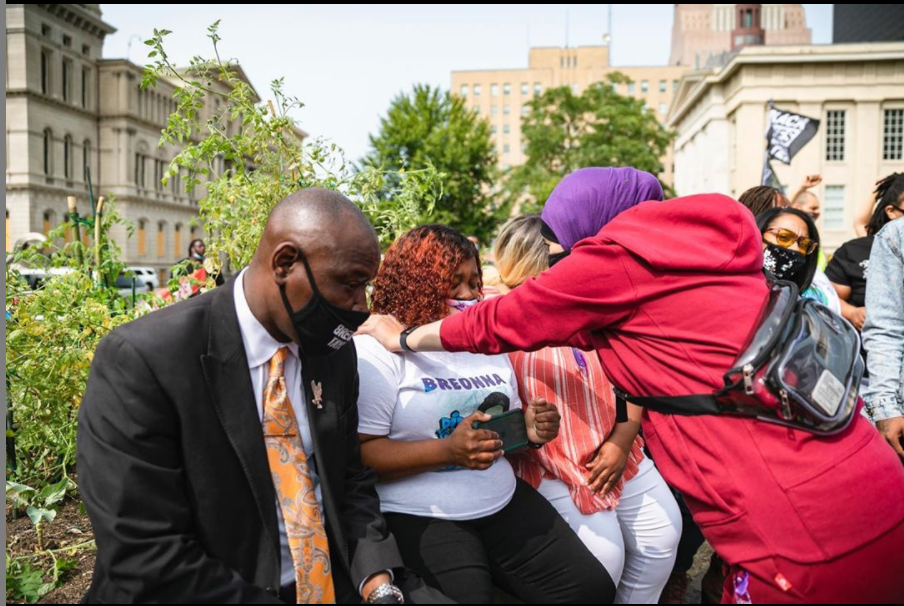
{"x":260,"y":346}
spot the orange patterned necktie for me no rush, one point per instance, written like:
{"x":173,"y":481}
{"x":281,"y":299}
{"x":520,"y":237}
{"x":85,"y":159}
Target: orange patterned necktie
{"x":295,"y":490}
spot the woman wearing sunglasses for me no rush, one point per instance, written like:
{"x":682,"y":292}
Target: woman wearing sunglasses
{"x":791,"y":252}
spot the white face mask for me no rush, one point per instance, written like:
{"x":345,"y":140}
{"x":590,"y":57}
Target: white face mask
{"x":458,"y":305}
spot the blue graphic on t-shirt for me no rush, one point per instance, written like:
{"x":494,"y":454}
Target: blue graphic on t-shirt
{"x":448,"y":424}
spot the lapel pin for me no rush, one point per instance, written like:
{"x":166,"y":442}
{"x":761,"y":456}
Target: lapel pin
{"x":317,"y":388}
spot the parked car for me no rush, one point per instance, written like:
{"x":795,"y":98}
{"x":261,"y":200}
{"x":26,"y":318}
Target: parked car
{"x":36,"y":276}
{"x":148,"y":275}
{"x":124,"y":285}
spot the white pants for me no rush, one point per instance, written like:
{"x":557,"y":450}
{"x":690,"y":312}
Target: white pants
{"x":637,"y":542}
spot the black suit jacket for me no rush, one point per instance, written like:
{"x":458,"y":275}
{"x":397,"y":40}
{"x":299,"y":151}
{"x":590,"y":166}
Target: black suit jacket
{"x":174,"y":474}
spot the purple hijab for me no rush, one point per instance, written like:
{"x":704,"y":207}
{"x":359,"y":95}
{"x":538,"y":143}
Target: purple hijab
{"x":587,"y":199}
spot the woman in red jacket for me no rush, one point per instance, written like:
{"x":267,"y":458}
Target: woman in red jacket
{"x":667,"y":292}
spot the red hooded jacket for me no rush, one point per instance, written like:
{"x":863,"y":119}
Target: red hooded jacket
{"x":668,"y":293}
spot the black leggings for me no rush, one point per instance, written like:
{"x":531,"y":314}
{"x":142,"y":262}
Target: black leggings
{"x":526,"y":549}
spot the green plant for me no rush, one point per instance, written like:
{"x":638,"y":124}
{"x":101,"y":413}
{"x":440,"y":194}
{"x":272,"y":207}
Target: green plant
{"x":252,"y":154}
{"x":52,"y":332}
{"x":23,"y":580}
{"x":40,"y":506}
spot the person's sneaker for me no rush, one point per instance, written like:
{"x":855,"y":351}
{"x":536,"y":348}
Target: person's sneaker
{"x":712,"y":583}
{"x":675,"y":590}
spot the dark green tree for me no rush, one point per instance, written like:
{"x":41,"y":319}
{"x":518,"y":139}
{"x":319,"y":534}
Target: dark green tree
{"x":564,"y":132}
{"x":429,"y":127}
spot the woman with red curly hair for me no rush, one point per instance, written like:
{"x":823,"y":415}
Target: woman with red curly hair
{"x":461,"y":519}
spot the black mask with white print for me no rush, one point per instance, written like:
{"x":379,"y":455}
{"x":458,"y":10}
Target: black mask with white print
{"x":785,"y":264}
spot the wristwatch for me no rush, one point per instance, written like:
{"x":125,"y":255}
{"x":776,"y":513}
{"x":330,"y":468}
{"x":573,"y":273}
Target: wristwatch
{"x":535,"y":444}
{"x":403,"y":338}
{"x":386,"y":593}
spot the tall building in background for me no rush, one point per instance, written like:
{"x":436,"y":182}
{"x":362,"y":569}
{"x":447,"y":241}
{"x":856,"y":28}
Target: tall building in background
{"x":701,"y":32}
{"x":856,"y":91}
{"x":502,"y":95}
{"x":702,"y":35}
{"x":748,"y":29}
{"x":68,"y":110}
{"x":867,"y":23}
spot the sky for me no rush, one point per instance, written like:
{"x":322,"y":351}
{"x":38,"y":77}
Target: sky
{"x":347,"y":62}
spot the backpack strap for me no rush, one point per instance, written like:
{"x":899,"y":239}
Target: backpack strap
{"x":700,"y":404}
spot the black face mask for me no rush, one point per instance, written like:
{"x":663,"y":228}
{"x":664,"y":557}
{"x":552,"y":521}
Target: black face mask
{"x":321,"y":327}
{"x":556,"y":257}
{"x":785,"y":264}
{"x":548,"y":234}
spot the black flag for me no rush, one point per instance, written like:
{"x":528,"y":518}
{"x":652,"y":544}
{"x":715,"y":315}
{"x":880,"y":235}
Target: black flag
{"x":787,"y":133}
